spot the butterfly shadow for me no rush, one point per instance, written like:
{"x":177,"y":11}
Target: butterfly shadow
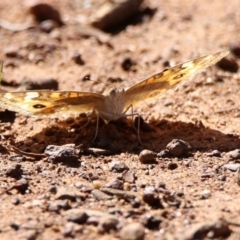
{"x":121,"y":136}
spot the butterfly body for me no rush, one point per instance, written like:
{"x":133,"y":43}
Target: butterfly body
{"x":113,"y":107}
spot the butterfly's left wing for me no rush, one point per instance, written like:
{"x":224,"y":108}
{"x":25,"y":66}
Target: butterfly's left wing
{"x":51,"y":103}
{"x":159,"y":83}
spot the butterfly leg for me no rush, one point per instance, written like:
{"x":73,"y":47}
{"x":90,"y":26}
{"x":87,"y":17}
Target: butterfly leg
{"x":97,"y":125}
{"x":104,"y":114}
{"x":88,"y":120}
{"x":1,"y":72}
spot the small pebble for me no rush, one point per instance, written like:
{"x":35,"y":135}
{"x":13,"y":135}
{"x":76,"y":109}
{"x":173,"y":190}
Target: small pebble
{"x":146,"y":172}
{"x":55,"y":34}
{"x":132,"y":231}
{"x":98,"y":151}
{"x":86,"y":77}
{"x":206,"y":175}
{"x":126,"y":186}
{"x":62,"y":153}
{"x":115,"y":13}
{"x":172,"y":166}
{"x":97,"y":184}
{"x":235,"y":154}
{"x":235,"y":49}
{"x":57,"y":205}
{"x":107,"y":224}
{"x":99,"y":195}
{"x":164,"y":154}
{"x":136,"y":203}
{"x":161,"y":185}
{"x":218,"y":229}
{"x":14,"y":171}
{"x":178,"y":148}
{"x":53,"y":189}
{"x":15,"y":225}
{"x":151,"y":221}
{"x":48,"y":25}
{"x":232,"y":166}
{"x":15,"y":201}
{"x":77,"y":217}
{"x":115,"y":183}
{"x":214,"y":153}
{"x":127,"y":64}
{"x":70,"y":193}
{"x":43,"y":10}
{"x":228,"y":64}
{"x":150,"y":196}
{"x":120,"y":193}
{"x":118,"y":166}
{"x":70,"y":229}
{"x":11,"y":52}
{"x":93,"y":221}
{"x":205,"y":194}
{"x":222,"y":177}
{"x":77,"y":57}
{"x":21,"y":185}
{"x":147,"y":156}
{"x":128,"y":176}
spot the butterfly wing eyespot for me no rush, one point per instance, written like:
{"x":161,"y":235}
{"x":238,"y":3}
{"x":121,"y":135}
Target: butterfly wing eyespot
{"x":39,"y":106}
{"x":159,"y":83}
{"x":179,"y":76}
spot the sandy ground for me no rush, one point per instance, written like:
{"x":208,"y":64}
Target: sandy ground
{"x":102,"y":189}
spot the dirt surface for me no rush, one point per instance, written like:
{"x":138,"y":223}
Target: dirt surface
{"x":55,"y":183}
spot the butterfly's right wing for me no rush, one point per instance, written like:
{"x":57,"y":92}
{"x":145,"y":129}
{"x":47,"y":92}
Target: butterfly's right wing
{"x":60,"y":104}
{"x":159,"y":83}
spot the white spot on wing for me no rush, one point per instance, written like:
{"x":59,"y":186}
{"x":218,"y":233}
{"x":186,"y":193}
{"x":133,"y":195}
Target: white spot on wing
{"x":9,"y":96}
{"x":31,"y":95}
{"x":188,"y":64}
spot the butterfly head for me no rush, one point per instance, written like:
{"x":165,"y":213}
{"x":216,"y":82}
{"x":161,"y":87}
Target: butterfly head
{"x":114,"y":92}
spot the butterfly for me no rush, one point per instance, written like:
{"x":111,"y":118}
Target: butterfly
{"x":111,"y":106}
